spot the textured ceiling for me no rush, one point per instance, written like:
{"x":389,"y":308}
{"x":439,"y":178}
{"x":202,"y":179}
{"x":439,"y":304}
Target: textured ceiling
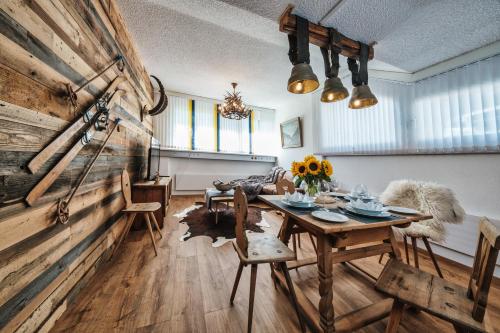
{"x":200,"y":46}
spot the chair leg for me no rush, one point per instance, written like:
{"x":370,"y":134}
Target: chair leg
{"x":415,"y":251}
{"x":380,"y":258}
{"x":124,"y":233}
{"x":289,"y":283}
{"x":294,"y":243}
{"x":216,"y":212}
{"x":273,"y":276}
{"x":406,"y":250}
{"x":298,"y":241}
{"x":157,"y":226}
{"x":313,"y":243}
{"x":431,"y":254}
{"x":236,"y":282}
{"x":395,"y":317}
{"x":150,"y":229}
{"x":253,"y":279}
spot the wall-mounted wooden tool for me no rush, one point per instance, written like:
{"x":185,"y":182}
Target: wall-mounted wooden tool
{"x":39,"y":160}
{"x":72,"y":94}
{"x":56,"y":171}
{"x":63,"y":205}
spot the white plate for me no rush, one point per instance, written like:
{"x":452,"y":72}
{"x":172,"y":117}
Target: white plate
{"x":403,"y":210}
{"x":337,"y":194}
{"x":299,"y":205}
{"x":374,"y":214}
{"x":329,"y":216}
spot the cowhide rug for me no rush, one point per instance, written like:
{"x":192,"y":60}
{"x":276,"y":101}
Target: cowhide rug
{"x":201,"y":222}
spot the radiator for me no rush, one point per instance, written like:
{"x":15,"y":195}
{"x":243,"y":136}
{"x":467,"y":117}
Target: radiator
{"x":199,"y":182}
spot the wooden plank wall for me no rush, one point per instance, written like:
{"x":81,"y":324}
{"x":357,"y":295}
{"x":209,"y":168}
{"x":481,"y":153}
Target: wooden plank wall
{"x":45,"y":44}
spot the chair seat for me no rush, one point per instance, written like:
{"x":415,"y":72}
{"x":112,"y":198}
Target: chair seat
{"x":143,"y":207}
{"x":264,"y":248}
{"x":430,"y":293}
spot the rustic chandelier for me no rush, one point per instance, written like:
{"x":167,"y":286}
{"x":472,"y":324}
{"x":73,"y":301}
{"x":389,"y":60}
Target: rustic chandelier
{"x":233,"y":107}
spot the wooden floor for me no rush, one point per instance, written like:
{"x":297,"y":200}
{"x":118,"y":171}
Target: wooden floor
{"x":187,"y":289}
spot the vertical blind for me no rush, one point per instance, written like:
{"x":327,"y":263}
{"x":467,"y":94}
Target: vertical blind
{"x":457,"y":111}
{"x":195,"y":124}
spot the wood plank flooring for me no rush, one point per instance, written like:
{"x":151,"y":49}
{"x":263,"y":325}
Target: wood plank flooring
{"x":187,"y":289}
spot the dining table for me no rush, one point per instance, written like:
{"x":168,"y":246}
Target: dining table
{"x":357,"y":238}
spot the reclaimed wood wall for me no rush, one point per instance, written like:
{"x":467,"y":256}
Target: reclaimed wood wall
{"x":45,"y":44}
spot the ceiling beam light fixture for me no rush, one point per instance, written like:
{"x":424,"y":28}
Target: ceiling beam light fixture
{"x":302,"y":79}
{"x":362,"y":97}
{"x":333,"y":89}
{"x":233,"y":107}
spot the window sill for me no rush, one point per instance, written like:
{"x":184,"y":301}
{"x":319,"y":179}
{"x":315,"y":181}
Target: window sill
{"x":210,"y":155}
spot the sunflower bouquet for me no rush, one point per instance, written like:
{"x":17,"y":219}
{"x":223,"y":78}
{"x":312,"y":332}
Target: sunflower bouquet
{"x":311,"y":171}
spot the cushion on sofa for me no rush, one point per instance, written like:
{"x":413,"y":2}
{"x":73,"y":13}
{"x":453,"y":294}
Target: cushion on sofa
{"x":269,"y":189}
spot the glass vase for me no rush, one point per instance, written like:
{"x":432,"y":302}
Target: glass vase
{"x":312,"y":188}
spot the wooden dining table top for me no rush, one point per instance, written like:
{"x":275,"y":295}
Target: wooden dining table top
{"x":303,"y":216}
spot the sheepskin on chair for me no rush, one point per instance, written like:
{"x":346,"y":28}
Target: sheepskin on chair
{"x":428,"y":198}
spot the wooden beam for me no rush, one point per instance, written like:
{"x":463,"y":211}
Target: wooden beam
{"x":318,"y":35}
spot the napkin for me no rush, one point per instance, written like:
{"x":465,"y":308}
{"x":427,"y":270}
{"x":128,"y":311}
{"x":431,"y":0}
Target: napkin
{"x":298,"y":197}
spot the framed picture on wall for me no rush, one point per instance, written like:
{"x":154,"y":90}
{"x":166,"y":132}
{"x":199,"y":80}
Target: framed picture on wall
{"x":291,"y":133}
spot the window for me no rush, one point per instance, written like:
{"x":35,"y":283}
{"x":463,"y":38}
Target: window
{"x":194,"y":124}
{"x":457,"y":111}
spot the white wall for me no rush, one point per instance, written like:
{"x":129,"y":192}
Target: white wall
{"x":295,"y":106}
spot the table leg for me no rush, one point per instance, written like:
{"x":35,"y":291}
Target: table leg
{"x":326,"y":311}
{"x":394,"y":244}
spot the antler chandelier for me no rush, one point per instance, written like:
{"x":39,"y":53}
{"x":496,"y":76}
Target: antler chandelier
{"x":233,"y":107}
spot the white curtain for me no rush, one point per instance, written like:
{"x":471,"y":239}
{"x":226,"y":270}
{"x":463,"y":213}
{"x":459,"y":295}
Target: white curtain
{"x":457,"y":111}
{"x":376,"y":129}
{"x":205,"y":136}
{"x":263,"y":134}
{"x":234,"y":135}
{"x":172,"y":127}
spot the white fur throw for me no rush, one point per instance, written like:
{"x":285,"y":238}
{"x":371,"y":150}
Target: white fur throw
{"x":428,"y":198}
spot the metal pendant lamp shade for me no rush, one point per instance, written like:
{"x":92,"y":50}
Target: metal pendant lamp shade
{"x":333,"y":90}
{"x":362,"y":97}
{"x":302,"y":79}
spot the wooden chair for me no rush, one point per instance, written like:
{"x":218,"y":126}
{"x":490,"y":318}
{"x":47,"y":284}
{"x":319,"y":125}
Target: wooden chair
{"x":132,"y":209}
{"x":258,"y":248}
{"x":284,"y":185}
{"x":464,"y":308}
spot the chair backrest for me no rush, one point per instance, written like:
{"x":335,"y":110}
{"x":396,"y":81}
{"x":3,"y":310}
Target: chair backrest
{"x":284,"y":185}
{"x":126,"y":188}
{"x":484,"y":267}
{"x":241,"y":212}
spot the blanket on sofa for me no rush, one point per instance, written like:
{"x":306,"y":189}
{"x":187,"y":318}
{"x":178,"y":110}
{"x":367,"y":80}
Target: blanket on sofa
{"x":252,"y":186}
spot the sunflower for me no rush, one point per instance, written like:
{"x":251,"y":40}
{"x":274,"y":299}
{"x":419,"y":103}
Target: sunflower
{"x":327,"y":167}
{"x":309,"y":157}
{"x":301,"y":169}
{"x":313,"y":166}
{"x":294,"y":169}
